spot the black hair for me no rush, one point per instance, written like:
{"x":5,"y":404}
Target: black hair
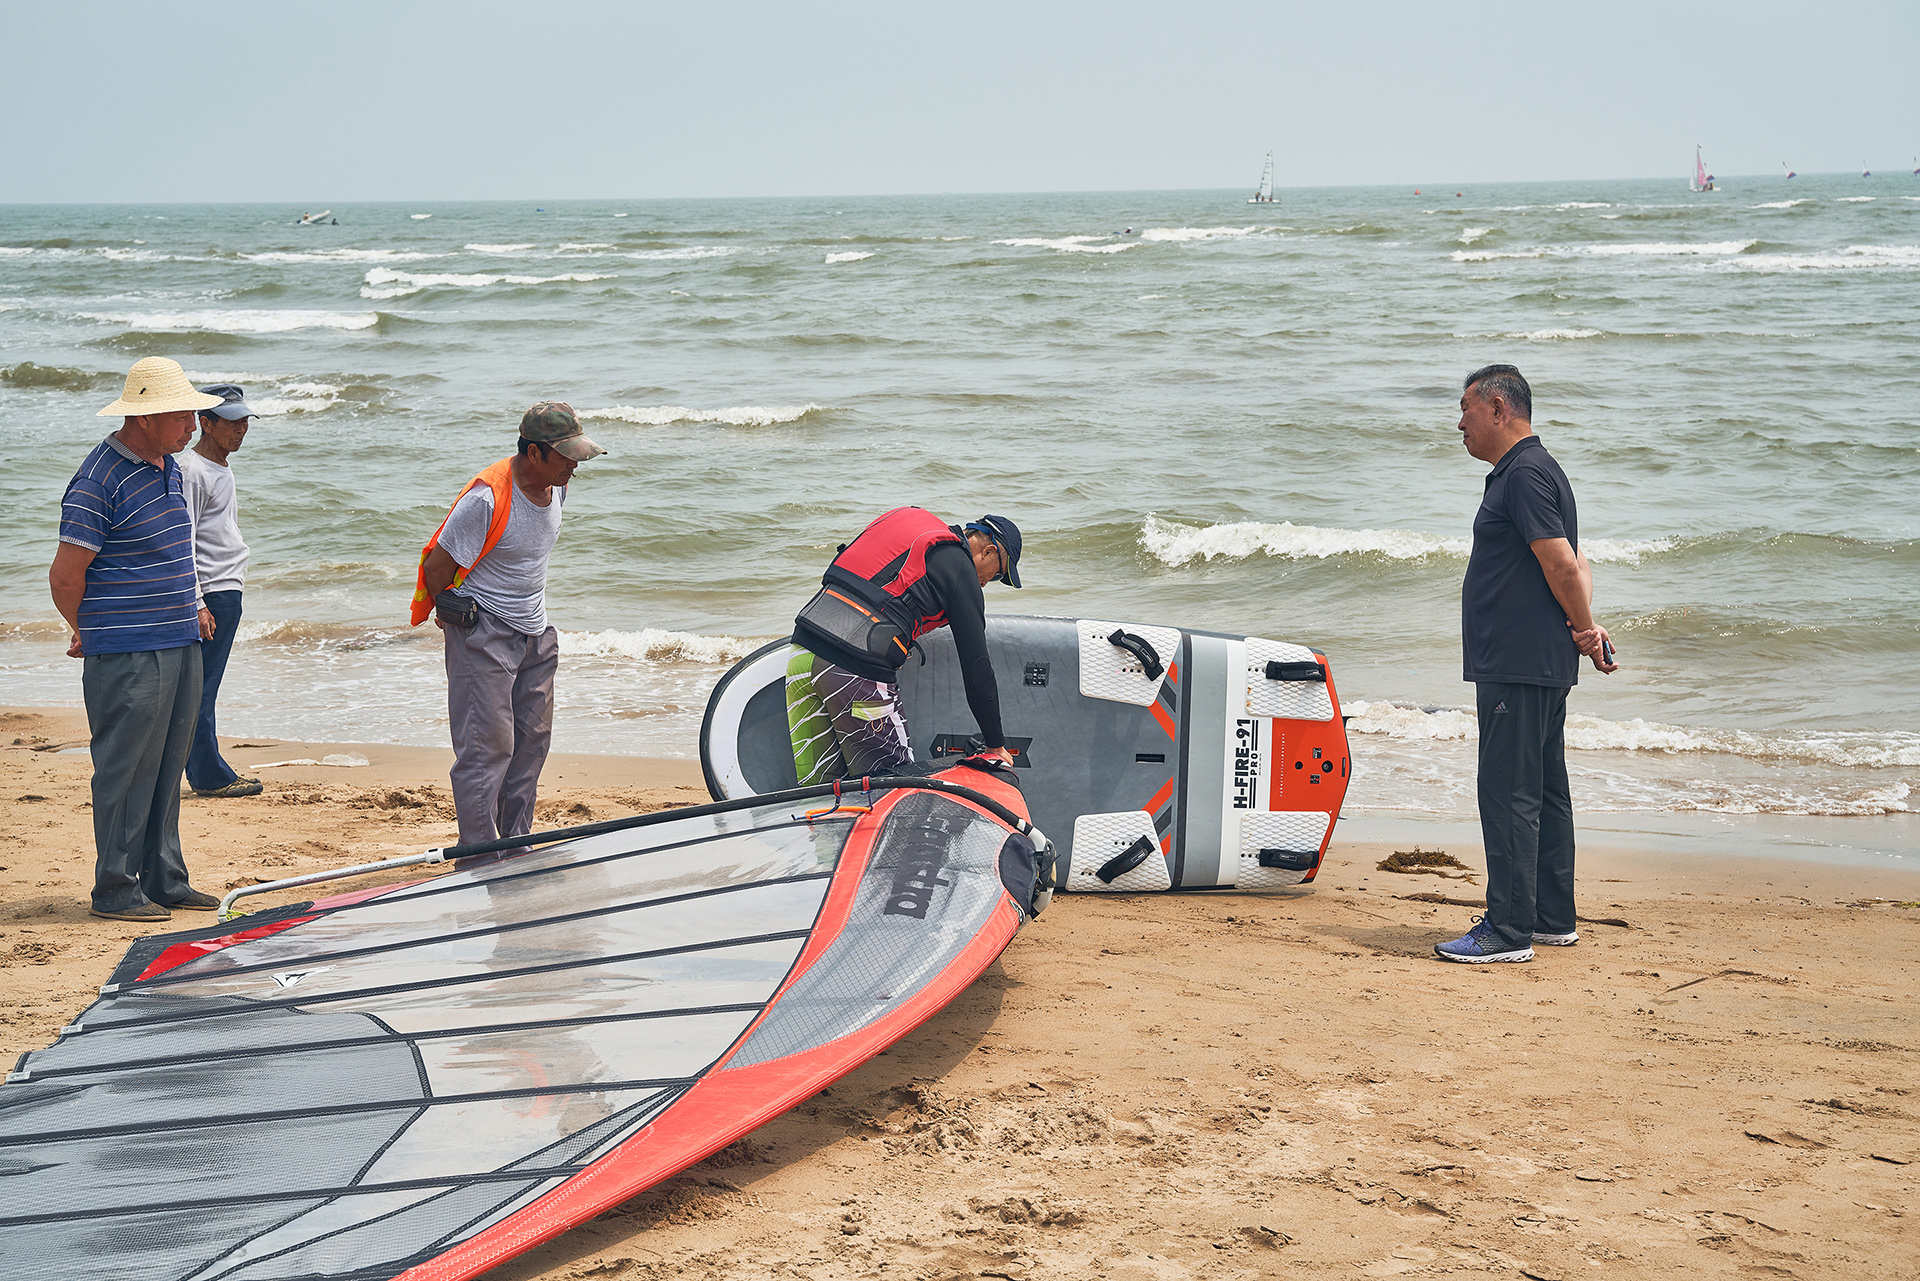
{"x":1506,"y":382}
{"x":544,"y":447}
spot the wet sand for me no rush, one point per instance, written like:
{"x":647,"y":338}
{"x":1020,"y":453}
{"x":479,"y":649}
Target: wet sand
{"x":1215,"y":1085}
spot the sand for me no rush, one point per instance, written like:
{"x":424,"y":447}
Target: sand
{"x":1215,"y":1085}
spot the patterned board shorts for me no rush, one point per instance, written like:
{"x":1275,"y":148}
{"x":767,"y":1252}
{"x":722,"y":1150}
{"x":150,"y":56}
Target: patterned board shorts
{"x":842,"y":725}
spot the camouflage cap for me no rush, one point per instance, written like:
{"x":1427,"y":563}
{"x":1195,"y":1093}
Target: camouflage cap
{"x":551,"y":422}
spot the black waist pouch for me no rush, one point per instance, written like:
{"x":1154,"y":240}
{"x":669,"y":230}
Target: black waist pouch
{"x":456,"y":610}
{"x":858,"y":616}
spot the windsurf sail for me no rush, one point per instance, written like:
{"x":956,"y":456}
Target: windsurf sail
{"x":421,"y":1081}
{"x":1790,"y":172}
{"x":1702,"y":180}
{"x":1263,"y":195}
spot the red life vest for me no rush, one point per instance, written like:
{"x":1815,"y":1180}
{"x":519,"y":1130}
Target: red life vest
{"x":863,"y":602}
{"x":891,"y":553}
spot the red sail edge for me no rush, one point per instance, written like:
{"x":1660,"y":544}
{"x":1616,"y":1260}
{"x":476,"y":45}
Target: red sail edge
{"x":728,"y":1103}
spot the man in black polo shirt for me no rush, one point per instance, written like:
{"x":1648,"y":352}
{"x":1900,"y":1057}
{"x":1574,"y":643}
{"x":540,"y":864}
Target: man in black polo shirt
{"x":1525,"y":620}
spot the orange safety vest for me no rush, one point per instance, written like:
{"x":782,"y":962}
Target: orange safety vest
{"x":500,"y":478}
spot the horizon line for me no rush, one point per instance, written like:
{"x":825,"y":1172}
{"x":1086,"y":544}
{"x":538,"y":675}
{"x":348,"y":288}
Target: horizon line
{"x":892,"y":195}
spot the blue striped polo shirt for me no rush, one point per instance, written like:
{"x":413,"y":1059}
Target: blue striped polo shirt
{"x":133,"y":516}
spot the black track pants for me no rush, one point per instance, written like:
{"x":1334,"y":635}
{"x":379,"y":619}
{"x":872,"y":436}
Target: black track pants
{"x":1526,"y":811}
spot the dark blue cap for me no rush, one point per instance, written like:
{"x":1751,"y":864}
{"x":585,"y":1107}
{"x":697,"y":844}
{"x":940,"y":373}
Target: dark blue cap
{"x":1006,"y":536}
{"x":234,"y":406}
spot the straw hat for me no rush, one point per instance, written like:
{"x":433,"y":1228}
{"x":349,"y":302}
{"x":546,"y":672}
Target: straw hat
{"x":158,"y":386}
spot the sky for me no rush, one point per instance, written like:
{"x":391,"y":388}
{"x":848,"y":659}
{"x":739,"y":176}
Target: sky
{"x":337,"y":101}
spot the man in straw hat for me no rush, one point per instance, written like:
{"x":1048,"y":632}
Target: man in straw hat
{"x":123,"y":578}
{"x":483,"y":577}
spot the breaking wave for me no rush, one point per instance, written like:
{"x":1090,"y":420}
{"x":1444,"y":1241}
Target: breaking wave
{"x":498,"y":249}
{"x":344,"y":255}
{"x":1851,"y":258}
{"x":383,"y":283}
{"x":736,"y":416}
{"x":1180,"y":235}
{"x":853,"y":256}
{"x":654,"y":645}
{"x":687,"y":254}
{"x":1856,"y":749}
{"x":1071,"y":244}
{"x":237,"y":322}
{"x":1174,"y":544}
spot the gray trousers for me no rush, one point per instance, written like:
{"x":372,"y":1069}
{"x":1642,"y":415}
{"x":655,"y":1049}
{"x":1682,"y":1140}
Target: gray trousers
{"x":1526,"y":810}
{"x":500,"y":708}
{"x":141,"y":708}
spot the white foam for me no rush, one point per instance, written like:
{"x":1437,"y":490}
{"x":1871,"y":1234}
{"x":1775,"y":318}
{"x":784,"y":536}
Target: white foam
{"x":343,"y":255}
{"x":419,"y":217}
{"x":1670,"y":251}
{"x":1542,"y":335}
{"x":1859,"y":749}
{"x":1783,"y":204}
{"x":737,"y":416}
{"x":298,"y":398}
{"x":1470,"y":234}
{"x":690,"y":253}
{"x":653,"y":645}
{"x":240,"y":378}
{"x":847,"y":257}
{"x":1851,"y":258}
{"x":1487,"y":255}
{"x":498,"y":249}
{"x":582,"y":248}
{"x":239,"y":322}
{"x":1584,"y":204}
{"x":1623,"y":551}
{"x":1856,"y":200}
{"x":385,"y":283}
{"x":1180,"y":235}
{"x":1174,"y":544}
{"x":7,"y":251}
{"x":620,"y":215}
{"x":1070,"y":244}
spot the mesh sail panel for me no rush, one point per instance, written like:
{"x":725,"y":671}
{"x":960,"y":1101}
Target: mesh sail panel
{"x":358,"y":1092}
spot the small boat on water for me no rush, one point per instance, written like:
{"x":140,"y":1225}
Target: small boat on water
{"x":1702,"y":180}
{"x":1790,"y":172}
{"x":1864,"y":171}
{"x":316,"y":220}
{"x":1264,"y":194}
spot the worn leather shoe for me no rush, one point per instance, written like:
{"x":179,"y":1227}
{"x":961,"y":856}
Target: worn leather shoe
{"x":195,"y":901}
{"x":238,"y":787}
{"x":145,"y":914}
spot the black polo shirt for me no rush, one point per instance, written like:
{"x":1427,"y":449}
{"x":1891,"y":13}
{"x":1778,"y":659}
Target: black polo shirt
{"x":1512,"y":630}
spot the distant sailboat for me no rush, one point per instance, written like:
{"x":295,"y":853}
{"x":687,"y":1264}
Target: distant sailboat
{"x":1264,"y":196}
{"x":313,"y":219}
{"x":1864,"y":171}
{"x":1790,"y":173}
{"x":1702,"y":180}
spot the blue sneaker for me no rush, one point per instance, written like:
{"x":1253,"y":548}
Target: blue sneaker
{"x":1479,"y":946}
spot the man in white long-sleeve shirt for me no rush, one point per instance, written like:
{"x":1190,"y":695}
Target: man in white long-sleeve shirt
{"x":220,"y":571}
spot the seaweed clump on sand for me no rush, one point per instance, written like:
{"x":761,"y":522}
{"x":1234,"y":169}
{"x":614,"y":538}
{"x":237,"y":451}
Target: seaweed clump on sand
{"x":1419,"y":862}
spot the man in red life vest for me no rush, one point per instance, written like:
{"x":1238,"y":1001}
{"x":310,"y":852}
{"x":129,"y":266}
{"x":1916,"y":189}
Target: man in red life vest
{"x":483,"y":576}
{"x":908,"y":573}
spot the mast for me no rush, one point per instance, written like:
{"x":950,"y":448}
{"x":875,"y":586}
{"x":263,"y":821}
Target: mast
{"x":1264,"y":195}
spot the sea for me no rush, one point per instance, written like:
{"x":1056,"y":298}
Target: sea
{"x":1201,"y":411}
